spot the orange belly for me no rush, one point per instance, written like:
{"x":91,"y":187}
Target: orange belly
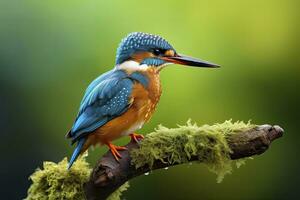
{"x":133,"y":119}
{"x":143,"y":104}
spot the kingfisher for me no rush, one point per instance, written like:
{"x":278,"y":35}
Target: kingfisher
{"x":122,"y":100}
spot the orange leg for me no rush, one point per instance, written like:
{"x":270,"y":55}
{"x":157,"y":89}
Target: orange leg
{"x":114,"y":150}
{"x":136,"y":137}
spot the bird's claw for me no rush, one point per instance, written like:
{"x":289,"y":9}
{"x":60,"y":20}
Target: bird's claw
{"x":114,"y":150}
{"x":136,"y":137}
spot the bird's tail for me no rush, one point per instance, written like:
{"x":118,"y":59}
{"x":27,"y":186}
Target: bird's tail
{"x":76,"y":152}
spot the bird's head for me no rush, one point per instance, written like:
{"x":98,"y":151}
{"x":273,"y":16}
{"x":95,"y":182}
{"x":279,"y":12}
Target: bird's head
{"x":139,"y":51}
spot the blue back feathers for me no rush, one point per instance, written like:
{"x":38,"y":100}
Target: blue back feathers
{"x":136,"y":42}
{"x":107,"y":97}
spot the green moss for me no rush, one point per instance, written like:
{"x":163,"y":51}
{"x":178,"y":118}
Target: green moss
{"x":178,"y":145}
{"x":54,"y":181}
{"x":117,"y":194}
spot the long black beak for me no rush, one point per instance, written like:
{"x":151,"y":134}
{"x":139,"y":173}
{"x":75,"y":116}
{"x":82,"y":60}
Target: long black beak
{"x":186,"y":60}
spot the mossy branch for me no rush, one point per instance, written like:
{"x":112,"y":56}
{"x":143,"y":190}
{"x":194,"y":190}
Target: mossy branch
{"x":217,"y":146}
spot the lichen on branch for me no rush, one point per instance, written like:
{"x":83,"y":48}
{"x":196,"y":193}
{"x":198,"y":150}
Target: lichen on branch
{"x":217,"y":146}
{"x":116,"y":195}
{"x":179,"y":145}
{"x":54,"y":181}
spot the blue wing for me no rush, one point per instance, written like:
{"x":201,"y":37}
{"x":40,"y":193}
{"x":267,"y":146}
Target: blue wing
{"x":107,"y":97}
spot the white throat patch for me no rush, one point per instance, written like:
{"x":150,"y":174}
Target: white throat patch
{"x":132,"y":66}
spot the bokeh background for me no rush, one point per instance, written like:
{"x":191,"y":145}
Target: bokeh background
{"x":51,"y":50}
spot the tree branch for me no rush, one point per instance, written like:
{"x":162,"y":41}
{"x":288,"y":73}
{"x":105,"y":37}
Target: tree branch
{"x":108,"y":175}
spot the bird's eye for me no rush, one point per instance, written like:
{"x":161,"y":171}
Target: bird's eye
{"x":157,"y":52}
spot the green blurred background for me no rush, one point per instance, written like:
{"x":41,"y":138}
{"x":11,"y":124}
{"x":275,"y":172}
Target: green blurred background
{"x":51,"y":50}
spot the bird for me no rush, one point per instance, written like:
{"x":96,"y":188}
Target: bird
{"x":122,"y":100}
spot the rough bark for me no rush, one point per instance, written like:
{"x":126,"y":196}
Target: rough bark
{"x":108,"y":174}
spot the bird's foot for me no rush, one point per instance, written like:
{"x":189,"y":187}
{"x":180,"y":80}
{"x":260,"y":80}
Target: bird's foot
{"x":114,"y":150}
{"x":136,"y":137}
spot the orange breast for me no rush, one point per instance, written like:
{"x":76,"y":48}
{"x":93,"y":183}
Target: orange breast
{"x":144,"y":101}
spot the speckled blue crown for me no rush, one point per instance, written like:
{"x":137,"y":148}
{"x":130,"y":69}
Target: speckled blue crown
{"x":138,"y":41}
